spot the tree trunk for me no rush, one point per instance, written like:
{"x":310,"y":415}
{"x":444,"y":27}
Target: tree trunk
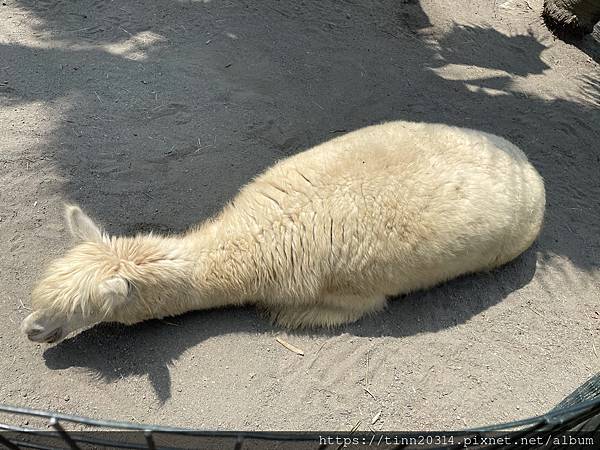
{"x":571,"y":18}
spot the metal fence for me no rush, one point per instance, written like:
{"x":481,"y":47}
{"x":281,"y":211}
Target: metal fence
{"x":577,"y":417}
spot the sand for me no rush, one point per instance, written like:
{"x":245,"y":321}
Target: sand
{"x":152,"y":114}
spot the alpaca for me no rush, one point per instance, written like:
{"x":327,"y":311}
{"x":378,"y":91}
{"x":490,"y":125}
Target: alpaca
{"x":319,"y":239}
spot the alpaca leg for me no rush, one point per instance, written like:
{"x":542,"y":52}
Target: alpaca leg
{"x":332,"y":311}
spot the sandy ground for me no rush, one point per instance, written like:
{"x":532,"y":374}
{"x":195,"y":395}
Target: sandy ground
{"x":152,"y":114}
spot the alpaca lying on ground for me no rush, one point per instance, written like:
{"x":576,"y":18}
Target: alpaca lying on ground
{"x":320,"y":239}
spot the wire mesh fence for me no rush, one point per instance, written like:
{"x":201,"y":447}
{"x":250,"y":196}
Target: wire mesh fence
{"x":574,"y":421}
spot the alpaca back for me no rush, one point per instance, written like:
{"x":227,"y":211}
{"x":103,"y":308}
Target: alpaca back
{"x":387,"y":209}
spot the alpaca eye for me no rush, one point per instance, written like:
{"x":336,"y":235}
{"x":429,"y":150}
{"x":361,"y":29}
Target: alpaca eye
{"x":129,"y":287}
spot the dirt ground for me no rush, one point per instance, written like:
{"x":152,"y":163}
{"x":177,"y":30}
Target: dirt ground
{"x":152,"y":114}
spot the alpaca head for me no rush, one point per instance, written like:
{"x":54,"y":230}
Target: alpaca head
{"x":82,"y":288}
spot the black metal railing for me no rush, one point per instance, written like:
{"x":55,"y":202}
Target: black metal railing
{"x":577,"y":415}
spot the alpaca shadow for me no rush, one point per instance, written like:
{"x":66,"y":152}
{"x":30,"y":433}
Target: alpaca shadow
{"x":451,"y":303}
{"x":112,"y":351}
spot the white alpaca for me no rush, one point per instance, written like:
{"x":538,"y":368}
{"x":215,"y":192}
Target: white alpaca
{"x":319,"y":239}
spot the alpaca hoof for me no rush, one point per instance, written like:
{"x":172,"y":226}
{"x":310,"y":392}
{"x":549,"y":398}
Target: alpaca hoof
{"x":38,"y":328}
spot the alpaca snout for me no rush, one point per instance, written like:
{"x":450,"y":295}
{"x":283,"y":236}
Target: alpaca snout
{"x":48,"y":338}
{"x":39,"y":329}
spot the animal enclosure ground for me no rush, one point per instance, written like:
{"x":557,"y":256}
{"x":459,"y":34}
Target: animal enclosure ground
{"x":151,"y":115}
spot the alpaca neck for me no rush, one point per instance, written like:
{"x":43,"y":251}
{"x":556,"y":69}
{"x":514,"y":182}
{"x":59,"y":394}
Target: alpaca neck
{"x":203,"y":269}
{"x":224,"y":273}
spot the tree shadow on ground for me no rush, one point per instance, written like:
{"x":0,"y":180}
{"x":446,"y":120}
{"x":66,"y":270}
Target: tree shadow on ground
{"x":588,"y":44}
{"x":203,"y":96}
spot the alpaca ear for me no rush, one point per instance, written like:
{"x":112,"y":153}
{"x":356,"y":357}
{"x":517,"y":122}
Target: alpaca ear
{"x":114,"y":291}
{"x":81,"y":226}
